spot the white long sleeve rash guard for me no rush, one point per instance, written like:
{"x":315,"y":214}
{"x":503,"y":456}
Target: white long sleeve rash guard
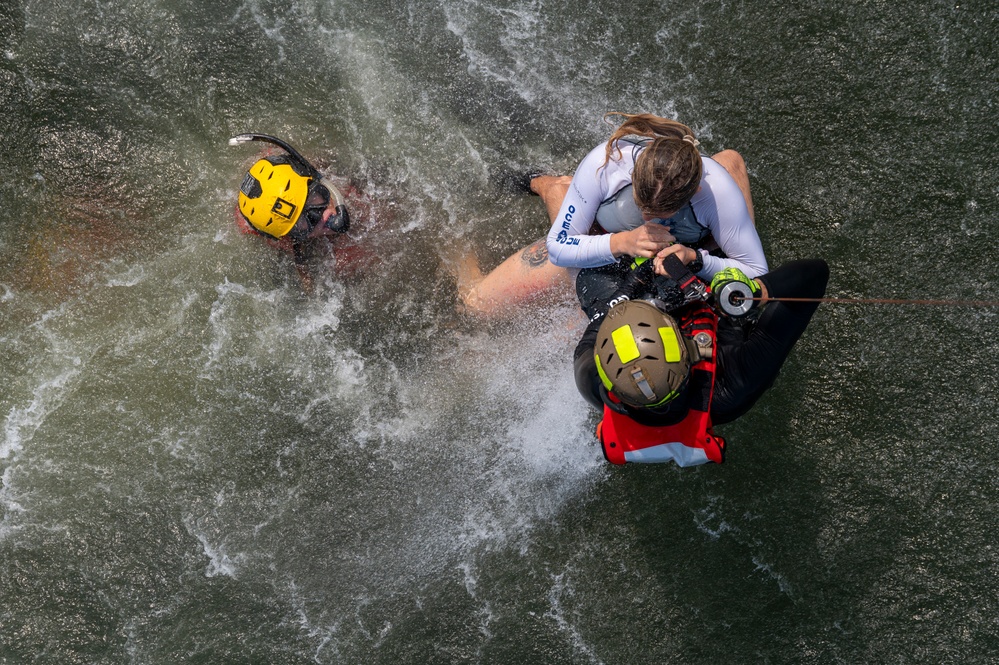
{"x":718,"y":205}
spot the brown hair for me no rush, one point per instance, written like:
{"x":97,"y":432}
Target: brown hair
{"x":668,"y":171}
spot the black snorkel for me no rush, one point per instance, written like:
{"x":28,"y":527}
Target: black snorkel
{"x":339,"y":221}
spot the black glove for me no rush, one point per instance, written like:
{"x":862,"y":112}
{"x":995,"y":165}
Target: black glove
{"x":668,"y":292}
{"x":637,"y":283}
{"x":634,"y":281}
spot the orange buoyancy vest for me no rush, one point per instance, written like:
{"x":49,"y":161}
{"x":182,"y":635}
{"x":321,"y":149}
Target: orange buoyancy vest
{"x":689,"y":442}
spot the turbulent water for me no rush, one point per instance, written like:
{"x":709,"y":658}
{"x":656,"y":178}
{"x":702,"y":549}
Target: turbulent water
{"x":200,"y":463}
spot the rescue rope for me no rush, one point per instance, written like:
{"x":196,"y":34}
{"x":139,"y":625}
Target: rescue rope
{"x":880,"y":301}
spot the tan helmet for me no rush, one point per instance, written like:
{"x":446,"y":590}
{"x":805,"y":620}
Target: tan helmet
{"x":641,"y":355}
{"x":273,"y":195}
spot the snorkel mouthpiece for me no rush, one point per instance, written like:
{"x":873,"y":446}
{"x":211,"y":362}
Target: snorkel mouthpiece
{"x":339,"y":221}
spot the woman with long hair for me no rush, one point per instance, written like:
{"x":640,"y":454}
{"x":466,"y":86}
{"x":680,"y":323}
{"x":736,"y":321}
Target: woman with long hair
{"x":646,"y":192}
{"x":648,"y":189}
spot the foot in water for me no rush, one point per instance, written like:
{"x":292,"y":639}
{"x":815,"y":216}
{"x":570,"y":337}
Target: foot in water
{"x":464,"y":268}
{"x":519,"y":182}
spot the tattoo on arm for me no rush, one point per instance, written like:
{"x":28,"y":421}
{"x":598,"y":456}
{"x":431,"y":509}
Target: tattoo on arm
{"x":535,"y":255}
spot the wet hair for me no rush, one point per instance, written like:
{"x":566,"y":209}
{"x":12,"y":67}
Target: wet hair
{"x":668,"y":170}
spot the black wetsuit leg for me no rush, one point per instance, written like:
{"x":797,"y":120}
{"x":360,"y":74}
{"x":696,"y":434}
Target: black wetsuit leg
{"x":749,"y":361}
{"x":596,"y":286}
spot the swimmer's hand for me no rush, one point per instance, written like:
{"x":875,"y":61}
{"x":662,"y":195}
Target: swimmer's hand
{"x":644,"y":241}
{"x":637,"y":283}
{"x":684,"y":253}
{"x":639,"y":280}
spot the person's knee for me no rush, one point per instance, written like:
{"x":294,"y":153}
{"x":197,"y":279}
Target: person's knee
{"x":820,"y":276}
{"x":735,"y":166}
{"x":813,"y":276}
{"x":547,"y":186}
{"x":732,"y":161}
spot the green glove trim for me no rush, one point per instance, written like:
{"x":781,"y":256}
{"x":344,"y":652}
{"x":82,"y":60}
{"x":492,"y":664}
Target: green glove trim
{"x":639,"y":260}
{"x":734,"y":275}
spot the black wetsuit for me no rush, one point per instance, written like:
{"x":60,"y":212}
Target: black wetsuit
{"x":749,"y":353}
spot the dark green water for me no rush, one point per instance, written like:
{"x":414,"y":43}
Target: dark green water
{"x":201,"y":465}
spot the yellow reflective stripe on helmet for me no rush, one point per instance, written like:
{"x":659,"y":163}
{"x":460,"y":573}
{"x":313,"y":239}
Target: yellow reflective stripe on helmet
{"x":669,"y":397}
{"x":603,"y":376}
{"x":624,"y":343}
{"x":671,"y":345}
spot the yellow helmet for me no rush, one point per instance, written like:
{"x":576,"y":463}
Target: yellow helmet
{"x":273,"y":195}
{"x":641,"y":354}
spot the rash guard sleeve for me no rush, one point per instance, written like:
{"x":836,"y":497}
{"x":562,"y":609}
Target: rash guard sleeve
{"x":721,"y":207}
{"x":569,"y":242}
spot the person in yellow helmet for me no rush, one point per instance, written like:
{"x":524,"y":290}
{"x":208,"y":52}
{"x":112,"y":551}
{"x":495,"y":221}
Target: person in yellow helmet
{"x":289,"y":202}
{"x":277,"y":199}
